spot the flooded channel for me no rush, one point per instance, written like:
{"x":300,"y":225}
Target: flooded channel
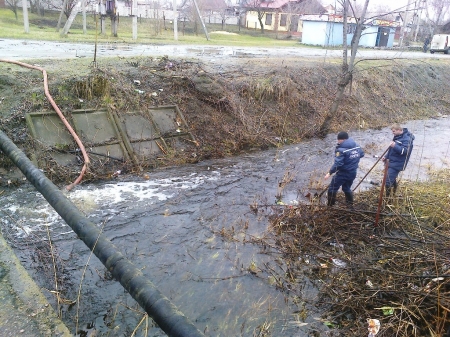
{"x":188,"y":229}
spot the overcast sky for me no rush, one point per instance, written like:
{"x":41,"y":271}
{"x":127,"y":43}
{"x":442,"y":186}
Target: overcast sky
{"x":392,"y":4}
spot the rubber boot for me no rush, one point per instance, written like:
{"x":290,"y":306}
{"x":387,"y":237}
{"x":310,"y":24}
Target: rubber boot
{"x":390,"y":191}
{"x":349,"y":199}
{"x":331,"y":198}
{"x":395,"y":188}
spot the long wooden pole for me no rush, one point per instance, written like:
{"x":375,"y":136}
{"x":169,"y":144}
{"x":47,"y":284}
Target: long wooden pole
{"x":371,"y":168}
{"x":380,"y":200}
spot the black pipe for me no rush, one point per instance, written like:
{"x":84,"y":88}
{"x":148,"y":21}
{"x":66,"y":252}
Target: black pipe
{"x":158,"y":307}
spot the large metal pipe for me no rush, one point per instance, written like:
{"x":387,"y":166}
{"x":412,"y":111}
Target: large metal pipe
{"x":158,"y":307}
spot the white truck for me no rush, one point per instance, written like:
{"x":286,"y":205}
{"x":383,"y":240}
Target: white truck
{"x":440,"y":43}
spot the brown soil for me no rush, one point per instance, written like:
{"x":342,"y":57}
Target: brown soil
{"x":239,"y":106}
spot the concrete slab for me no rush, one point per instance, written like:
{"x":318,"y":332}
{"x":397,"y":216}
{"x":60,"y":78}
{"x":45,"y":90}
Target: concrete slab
{"x":24,"y":310}
{"x":166,"y":120}
{"x":133,"y":136}
{"x":144,"y":141}
{"x":97,"y":130}
{"x":48,"y":128}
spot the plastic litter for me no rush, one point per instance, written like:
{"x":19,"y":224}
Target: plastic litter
{"x":374,"y":327}
{"x":339,"y":263}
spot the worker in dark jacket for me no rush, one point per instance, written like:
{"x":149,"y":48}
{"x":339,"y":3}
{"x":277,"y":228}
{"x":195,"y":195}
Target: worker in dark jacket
{"x":346,"y":161}
{"x":399,"y":152}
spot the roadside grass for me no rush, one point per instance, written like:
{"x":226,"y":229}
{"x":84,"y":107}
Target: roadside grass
{"x":150,"y":31}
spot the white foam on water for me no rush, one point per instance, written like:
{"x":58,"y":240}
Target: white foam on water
{"x":91,"y":198}
{"x":157,"y":190}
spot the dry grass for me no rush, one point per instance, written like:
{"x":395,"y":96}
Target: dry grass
{"x":230,"y":109}
{"x":398,"y":272}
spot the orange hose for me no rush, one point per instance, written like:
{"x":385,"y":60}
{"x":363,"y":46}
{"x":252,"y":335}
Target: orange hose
{"x":63,"y":119}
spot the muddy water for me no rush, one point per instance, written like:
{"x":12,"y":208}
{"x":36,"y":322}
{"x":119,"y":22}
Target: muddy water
{"x":187,"y":229}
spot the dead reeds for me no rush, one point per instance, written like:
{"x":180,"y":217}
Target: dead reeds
{"x":398,"y":272}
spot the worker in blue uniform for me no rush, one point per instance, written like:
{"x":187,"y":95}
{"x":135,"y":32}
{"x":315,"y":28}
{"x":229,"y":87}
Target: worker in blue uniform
{"x":346,"y":161}
{"x":398,"y":154}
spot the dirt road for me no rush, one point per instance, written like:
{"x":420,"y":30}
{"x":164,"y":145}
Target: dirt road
{"x":29,"y":49}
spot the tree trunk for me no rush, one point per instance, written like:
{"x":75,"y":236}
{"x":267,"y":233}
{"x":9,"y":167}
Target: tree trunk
{"x":69,"y":21}
{"x":261,"y":24}
{"x":347,"y":68}
{"x":58,"y":26}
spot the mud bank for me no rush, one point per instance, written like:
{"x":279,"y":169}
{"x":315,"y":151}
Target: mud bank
{"x":237,"y":106}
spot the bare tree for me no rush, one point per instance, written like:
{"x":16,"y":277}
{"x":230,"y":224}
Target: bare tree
{"x":348,"y":64}
{"x":13,"y":5}
{"x":64,"y":6}
{"x":258,"y":6}
{"x":440,"y":8}
{"x":35,"y":6}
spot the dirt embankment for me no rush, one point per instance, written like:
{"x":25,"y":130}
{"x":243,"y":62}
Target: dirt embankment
{"x":239,"y":106}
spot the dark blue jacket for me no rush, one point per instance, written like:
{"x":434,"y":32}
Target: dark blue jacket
{"x":347,"y":155}
{"x":399,"y":154}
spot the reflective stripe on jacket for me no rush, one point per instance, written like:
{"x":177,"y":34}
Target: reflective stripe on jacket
{"x":347,"y":156}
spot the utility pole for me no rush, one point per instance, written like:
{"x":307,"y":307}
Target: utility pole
{"x":175,"y":21}
{"x":84,"y":4}
{"x":427,"y":15}
{"x":26,"y":23}
{"x":405,"y":21}
{"x":421,"y":5}
{"x":201,"y":20}
{"x":134,"y":20}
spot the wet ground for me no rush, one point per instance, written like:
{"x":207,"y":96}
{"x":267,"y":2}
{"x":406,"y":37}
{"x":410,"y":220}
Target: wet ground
{"x":188,"y":229}
{"x":29,"y":49}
